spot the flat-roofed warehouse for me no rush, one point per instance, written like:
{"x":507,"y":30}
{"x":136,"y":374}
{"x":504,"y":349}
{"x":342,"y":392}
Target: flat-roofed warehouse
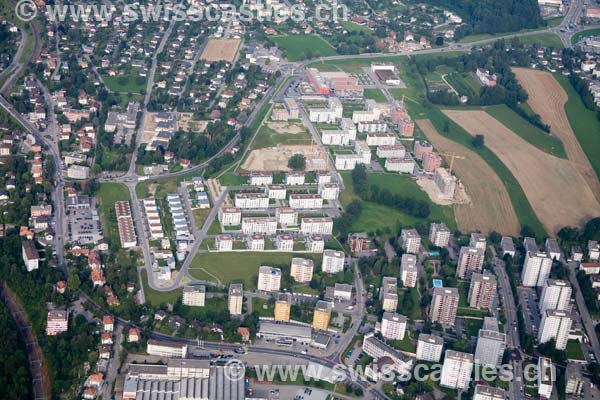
{"x":273,"y":331}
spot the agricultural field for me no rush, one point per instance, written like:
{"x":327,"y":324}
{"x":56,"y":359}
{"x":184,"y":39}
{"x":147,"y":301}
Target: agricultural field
{"x":538,"y":173}
{"x":548,"y":98}
{"x":546,"y":142}
{"x":241,"y":266}
{"x":220,"y":50}
{"x":491,"y":208}
{"x":378,"y":217}
{"x":299,"y":47}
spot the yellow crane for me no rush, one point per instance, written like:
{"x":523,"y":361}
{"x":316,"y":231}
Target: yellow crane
{"x":453,"y":156}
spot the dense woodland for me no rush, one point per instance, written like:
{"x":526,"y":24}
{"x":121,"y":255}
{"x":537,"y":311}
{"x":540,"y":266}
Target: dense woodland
{"x":492,"y":16}
{"x":15,"y":379}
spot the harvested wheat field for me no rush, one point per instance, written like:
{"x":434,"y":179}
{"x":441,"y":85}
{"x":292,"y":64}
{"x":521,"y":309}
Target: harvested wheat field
{"x":220,"y":50}
{"x":557,"y":192}
{"x":490,"y":208}
{"x":276,"y":158}
{"x":547,"y":98}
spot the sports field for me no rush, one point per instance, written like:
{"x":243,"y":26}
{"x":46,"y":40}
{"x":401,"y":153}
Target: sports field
{"x":490,"y":208}
{"x":548,"y":99}
{"x":548,"y":182}
{"x":300,"y":47}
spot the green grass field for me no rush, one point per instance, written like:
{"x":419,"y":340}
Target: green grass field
{"x":240,"y":266}
{"x":354,"y":27}
{"x":375,"y":94}
{"x":156,"y":298}
{"x":532,"y":134}
{"x":375,"y":216}
{"x":584,"y":123}
{"x":108,"y":194}
{"x":574,"y":351}
{"x":125,"y":84}
{"x":298,"y":47}
{"x":583,"y":34}
{"x":465,"y":84}
{"x":543,"y":39}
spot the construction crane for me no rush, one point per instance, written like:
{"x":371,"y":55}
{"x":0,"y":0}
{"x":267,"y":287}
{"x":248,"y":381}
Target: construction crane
{"x":452,"y":156}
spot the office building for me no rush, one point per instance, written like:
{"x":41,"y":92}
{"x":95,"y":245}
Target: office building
{"x":444,"y":305}
{"x":429,"y":347}
{"x":482,"y":291}
{"x":457,"y":369}
{"x":470,"y":260}
{"x":536,"y":269}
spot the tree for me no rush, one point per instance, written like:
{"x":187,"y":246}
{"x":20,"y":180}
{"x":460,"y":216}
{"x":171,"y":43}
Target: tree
{"x":439,"y":41}
{"x":478,"y":141}
{"x":297,"y":162}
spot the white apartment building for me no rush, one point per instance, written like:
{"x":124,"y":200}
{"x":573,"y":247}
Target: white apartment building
{"x":409,"y":274}
{"x":251,"y":200}
{"x":411,"y":241}
{"x":255,"y":242}
{"x":377,"y":349}
{"x":277,"y":192}
{"x":260,"y":178}
{"x":194,"y":295}
{"x":318,"y":225}
{"x":302,"y":269}
{"x":482,"y":290}
{"x":439,"y":234}
{"x":552,"y":248}
{"x":235,"y":298}
{"x":365,"y":116}
{"x":393,"y":326}
{"x":333,"y":261}
{"x":388,"y":294}
{"x":556,"y":295}
{"x":286,"y":216}
{"x":31,"y":257}
{"x":378,"y":126}
{"x":536,"y":269}
{"x":362,"y":149}
{"x":306,"y":200}
{"x":470,"y":260}
{"x":546,"y":377}
{"x":264,"y":225}
{"x":490,"y":348}
{"x":285,"y":242}
{"x":593,"y":250}
{"x":346,"y":162}
{"x":429,"y":347}
{"x":404,"y":165}
{"x":347,"y":125}
{"x":153,"y":218}
{"x":230,"y":216}
{"x":315,"y":243}
{"x":336,"y":137}
{"x":381,"y":139}
{"x":477,"y":241}
{"x":445,"y":182}
{"x":294,"y":178}
{"x":555,"y":325}
{"x":391,"y":151}
{"x":485,"y":392}
{"x":269,"y":279}
{"x":444,"y":305}
{"x":224,"y":242}
{"x":457,"y":369}
{"x":329,"y":191}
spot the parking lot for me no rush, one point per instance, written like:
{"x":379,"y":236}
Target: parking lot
{"x":529,"y":302}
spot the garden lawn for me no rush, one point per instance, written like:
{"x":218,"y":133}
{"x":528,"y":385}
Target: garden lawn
{"x":107,"y":195}
{"x":299,"y":47}
{"x":156,"y":298}
{"x":375,"y":94}
{"x":125,"y":84}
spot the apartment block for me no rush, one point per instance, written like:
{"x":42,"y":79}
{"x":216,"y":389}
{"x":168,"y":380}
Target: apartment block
{"x":284,"y":242}
{"x":409,"y":273}
{"x":235,"y":299}
{"x":556,"y":295}
{"x":490,"y":348}
{"x":321,"y":316}
{"x":251,"y":200}
{"x":411,"y":241}
{"x":263,"y":225}
{"x":439,"y":234}
{"x":482,"y":291}
{"x":477,"y":240}
{"x":329,"y":191}
{"x":278,"y":192}
{"x":286,"y":216}
{"x":536,"y":269}
{"x":555,"y":325}
{"x":269,"y":279}
{"x":305,"y":200}
{"x":57,"y":322}
{"x":388,"y":294}
{"x":302,"y":269}
{"x":194,"y":295}
{"x":283,"y":306}
{"x":166,"y":349}
{"x":485,"y":392}
{"x":318,"y":225}
{"x":444,"y":305}
{"x":333,"y":261}
{"x":470,"y":260}
{"x":393,"y":326}
{"x":224,"y":242}
{"x":230,"y":216}
{"x":546,"y":377}
{"x":457,"y":369}
{"x":315,"y":243}
{"x":429,"y":347}
{"x":125,"y":225}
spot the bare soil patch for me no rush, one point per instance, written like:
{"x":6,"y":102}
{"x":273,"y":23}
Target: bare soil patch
{"x":286,"y":127}
{"x":276,"y":158}
{"x":557,"y":192}
{"x":490,"y":208}
{"x":547,"y":98}
{"x":220,"y":50}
